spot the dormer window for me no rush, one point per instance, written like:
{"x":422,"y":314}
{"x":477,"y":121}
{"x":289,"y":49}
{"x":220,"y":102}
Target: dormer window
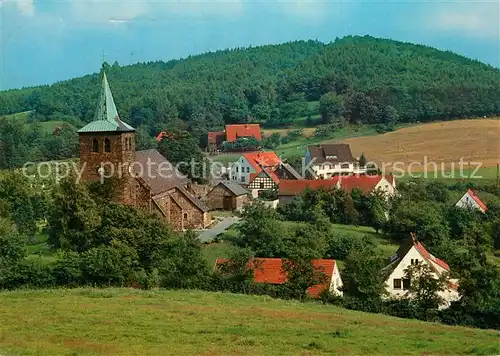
{"x":107,"y":145}
{"x":331,"y":157}
{"x":95,"y":145}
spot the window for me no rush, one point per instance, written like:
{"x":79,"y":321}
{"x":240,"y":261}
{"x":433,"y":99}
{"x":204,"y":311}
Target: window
{"x":414,"y":261}
{"x":185,"y":215}
{"x":345,"y":166}
{"x":243,"y":179}
{"x":248,"y":169}
{"x":107,"y":145}
{"x":397,"y":283}
{"x":406,"y":284}
{"x":261,"y":185}
{"x":95,"y":145}
{"x":236,"y":169}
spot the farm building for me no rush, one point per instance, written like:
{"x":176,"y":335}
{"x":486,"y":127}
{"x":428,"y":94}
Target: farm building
{"x":471,"y":200}
{"x":231,"y":134}
{"x":413,"y":252}
{"x":289,"y":189}
{"x":329,"y":160}
{"x":272,"y":271}
{"x":227,"y":195}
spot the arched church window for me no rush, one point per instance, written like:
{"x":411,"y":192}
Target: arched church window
{"x":95,"y":145}
{"x":107,"y":145}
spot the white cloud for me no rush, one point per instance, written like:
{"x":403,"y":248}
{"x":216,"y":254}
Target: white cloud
{"x":121,"y":12}
{"x":479,"y":19}
{"x":25,"y":7}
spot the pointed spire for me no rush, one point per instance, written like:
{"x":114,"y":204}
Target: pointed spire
{"x":106,"y":116}
{"x":106,"y":109}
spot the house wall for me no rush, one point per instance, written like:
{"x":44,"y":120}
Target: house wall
{"x":241,"y":202}
{"x":399,"y":273}
{"x":193,"y":217}
{"x":286,"y":199}
{"x":467,"y":202}
{"x":326,"y":170}
{"x":215,"y":199}
{"x":386,"y":186}
{"x":273,"y":204}
{"x":336,"y":283}
{"x":241,"y":170}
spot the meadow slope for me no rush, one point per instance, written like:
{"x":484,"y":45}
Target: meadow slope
{"x":134,"y":322}
{"x":475,"y":140}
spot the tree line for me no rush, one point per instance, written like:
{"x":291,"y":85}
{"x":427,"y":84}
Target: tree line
{"x":355,"y":79}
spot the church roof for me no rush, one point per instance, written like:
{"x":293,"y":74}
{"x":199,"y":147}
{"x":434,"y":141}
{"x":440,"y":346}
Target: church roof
{"x":106,"y":117}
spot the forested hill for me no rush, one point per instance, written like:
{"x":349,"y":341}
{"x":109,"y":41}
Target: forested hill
{"x":356,"y":79}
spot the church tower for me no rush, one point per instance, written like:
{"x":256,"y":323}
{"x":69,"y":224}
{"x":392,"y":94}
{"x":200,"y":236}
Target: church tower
{"x":107,"y":147}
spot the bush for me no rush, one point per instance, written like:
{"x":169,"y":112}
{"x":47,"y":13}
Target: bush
{"x":67,"y":270}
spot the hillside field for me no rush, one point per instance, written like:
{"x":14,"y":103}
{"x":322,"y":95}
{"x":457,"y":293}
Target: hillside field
{"x":442,"y":142}
{"x":134,"y":322}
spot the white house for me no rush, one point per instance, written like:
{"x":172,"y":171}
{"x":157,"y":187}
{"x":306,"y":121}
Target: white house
{"x":471,"y":200}
{"x":330,"y":160}
{"x":412,"y":253}
{"x":252,"y":163}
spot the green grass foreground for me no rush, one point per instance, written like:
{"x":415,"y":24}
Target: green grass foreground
{"x":134,"y":322}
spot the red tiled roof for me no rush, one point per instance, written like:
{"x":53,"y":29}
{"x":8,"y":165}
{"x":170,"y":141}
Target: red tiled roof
{"x":161,"y":135}
{"x":363,"y":182}
{"x":296,"y":187}
{"x":258,"y":159}
{"x":270,"y":270}
{"x":216,"y":137}
{"x":233,"y":132}
{"x":425,"y":254}
{"x":479,"y":202}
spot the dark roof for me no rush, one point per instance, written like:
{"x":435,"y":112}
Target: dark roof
{"x":339,"y":152}
{"x":234,"y":188}
{"x":197,"y":202}
{"x":286,"y":167}
{"x":161,"y":176}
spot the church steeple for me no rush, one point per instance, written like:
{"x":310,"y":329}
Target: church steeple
{"x":106,"y":116}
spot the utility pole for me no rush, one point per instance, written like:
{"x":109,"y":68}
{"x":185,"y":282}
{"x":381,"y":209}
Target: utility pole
{"x":498,"y":176}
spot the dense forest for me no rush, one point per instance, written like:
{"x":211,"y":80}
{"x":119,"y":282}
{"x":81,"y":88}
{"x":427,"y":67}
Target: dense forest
{"x":354,"y":79}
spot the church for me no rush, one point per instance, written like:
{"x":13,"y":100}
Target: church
{"x":145,"y":179}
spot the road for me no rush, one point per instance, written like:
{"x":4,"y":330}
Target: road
{"x":224,"y":225}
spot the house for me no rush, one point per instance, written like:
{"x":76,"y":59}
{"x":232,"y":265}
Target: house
{"x":215,"y":140}
{"x":271,"y":271}
{"x":471,"y":200}
{"x":231,"y":134}
{"x":252,"y":163}
{"x":144,"y":179}
{"x":411,"y":253}
{"x":227,"y":195}
{"x":289,"y":189}
{"x":161,"y":135}
{"x":265,"y":180}
{"x":368,"y":184}
{"x":329,"y":160}
{"x":234,"y":132}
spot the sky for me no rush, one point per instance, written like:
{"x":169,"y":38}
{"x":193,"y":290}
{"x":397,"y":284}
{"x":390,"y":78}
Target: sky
{"x":42,"y":41}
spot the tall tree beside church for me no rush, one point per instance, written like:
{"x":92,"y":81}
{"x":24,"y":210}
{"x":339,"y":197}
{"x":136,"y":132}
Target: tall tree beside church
{"x":183,"y":151}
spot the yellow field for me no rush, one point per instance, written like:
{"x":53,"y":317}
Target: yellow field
{"x":442,"y":142}
{"x":307,"y":132}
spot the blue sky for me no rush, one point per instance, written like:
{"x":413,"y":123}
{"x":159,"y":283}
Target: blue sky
{"x":46,"y":41}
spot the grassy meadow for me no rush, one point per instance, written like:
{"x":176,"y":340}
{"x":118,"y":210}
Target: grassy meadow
{"x":135,"y":322}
